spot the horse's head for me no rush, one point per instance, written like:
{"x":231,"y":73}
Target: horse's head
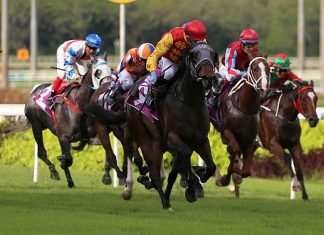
{"x":101,"y":72}
{"x":258,"y":74}
{"x":200,"y":62}
{"x":305,"y":101}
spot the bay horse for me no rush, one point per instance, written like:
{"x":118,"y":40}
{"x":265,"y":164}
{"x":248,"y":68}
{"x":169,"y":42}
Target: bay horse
{"x":111,"y":121}
{"x":182,"y":128}
{"x":280,"y":127}
{"x":239,"y":108}
{"x":68,"y":123}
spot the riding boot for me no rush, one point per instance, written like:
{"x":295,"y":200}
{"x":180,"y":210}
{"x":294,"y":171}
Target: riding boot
{"x":115,"y":93}
{"x":152,"y":94}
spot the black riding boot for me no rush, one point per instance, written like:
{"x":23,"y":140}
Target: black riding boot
{"x":151,"y":95}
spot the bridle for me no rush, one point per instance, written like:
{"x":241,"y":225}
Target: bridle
{"x":298,"y":101}
{"x":191,"y":67}
{"x":250,"y":78}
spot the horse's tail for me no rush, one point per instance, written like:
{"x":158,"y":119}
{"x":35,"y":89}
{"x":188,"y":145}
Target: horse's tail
{"x":104,"y":116}
{"x":80,"y":146}
{"x":14,"y":127}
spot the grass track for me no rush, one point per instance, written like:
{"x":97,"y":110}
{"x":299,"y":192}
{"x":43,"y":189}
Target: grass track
{"x":49,"y":207}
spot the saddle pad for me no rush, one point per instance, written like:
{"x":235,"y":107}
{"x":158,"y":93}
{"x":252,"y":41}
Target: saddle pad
{"x":137,"y":101}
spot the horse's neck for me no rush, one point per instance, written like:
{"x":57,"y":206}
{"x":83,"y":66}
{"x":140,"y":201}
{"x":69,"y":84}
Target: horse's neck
{"x":247,"y":100}
{"x":189,"y":91}
{"x":287,"y":108}
{"x":84,"y":91}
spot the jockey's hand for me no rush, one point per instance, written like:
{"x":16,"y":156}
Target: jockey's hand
{"x":152,"y":77}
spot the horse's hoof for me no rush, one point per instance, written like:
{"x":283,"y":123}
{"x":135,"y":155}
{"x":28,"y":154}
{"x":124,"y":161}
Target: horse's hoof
{"x":305,"y":197}
{"x":218,"y":183}
{"x":55,"y":175}
{"x":106,"y":180}
{"x":127,"y":194}
{"x":237,"y":179}
{"x":145,"y":180}
{"x":71,"y":185}
{"x":200,"y":193}
{"x":190,"y":195}
{"x":170,"y":209}
{"x":231,"y":188}
{"x":183,"y":183}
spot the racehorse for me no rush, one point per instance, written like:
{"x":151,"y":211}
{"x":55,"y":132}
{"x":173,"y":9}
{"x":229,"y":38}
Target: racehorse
{"x":182,"y":128}
{"x":107,"y":121}
{"x":280,"y":128}
{"x":68,"y":123}
{"x":239,"y":109}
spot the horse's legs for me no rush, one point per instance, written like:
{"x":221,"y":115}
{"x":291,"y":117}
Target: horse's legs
{"x":154,"y":163}
{"x":66,"y":159}
{"x":128,"y":190}
{"x":233,"y":149}
{"x":205,"y":153}
{"x":296,"y":152}
{"x":276,"y":149}
{"x":247,"y":160}
{"x":103,"y":135}
{"x":172,"y":177}
{"x":41,"y":152}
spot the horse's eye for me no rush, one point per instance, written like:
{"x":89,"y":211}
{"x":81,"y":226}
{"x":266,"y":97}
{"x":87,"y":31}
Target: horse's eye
{"x":98,"y":73}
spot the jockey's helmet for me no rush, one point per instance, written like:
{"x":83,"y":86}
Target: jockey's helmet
{"x":249,"y":36}
{"x":145,"y":50}
{"x":93,"y":40}
{"x":281,"y":61}
{"x":196,"y":29}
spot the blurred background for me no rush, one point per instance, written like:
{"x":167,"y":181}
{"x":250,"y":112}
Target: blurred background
{"x":31,"y":31}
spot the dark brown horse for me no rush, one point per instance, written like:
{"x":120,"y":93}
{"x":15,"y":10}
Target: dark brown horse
{"x":111,"y":121}
{"x":280,"y":128}
{"x":70,"y":121}
{"x":239,"y":107}
{"x":182,"y":128}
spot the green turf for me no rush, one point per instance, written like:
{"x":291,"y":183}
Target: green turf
{"x":49,"y":207}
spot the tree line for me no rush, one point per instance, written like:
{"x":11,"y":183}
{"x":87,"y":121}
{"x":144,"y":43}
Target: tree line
{"x":147,"y":20}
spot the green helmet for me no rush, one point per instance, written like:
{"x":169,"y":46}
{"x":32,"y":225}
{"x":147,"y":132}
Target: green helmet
{"x":282,"y":61}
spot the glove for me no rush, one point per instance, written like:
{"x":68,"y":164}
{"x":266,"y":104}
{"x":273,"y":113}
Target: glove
{"x":71,"y":75}
{"x":152,"y":77}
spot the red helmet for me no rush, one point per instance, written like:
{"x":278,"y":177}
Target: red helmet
{"x":196,"y":29}
{"x":249,"y":36}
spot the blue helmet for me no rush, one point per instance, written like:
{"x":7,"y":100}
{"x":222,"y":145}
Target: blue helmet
{"x":93,"y":40}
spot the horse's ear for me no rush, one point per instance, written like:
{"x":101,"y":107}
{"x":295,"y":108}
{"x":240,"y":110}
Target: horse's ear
{"x":311,"y":83}
{"x":266,"y":55}
{"x":105,"y":56}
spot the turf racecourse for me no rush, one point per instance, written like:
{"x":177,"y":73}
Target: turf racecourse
{"x":49,"y":207}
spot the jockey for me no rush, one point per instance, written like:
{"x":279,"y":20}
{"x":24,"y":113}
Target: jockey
{"x":281,"y":74}
{"x":132,"y":66}
{"x":169,"y":50}
{"x":236,"y":55}
{"x":236,"y":58}
{"x":73,"y":58}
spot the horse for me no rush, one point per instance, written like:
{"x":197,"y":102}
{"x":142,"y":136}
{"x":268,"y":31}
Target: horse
{"x":108,"y":121}
{"x":239,"y":110}
{"x":68,"y":122}
{"x":182,"y":128}
{"x":280,"y":113}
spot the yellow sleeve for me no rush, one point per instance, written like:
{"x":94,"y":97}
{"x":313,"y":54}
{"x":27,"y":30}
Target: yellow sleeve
{"x":162,"y":47}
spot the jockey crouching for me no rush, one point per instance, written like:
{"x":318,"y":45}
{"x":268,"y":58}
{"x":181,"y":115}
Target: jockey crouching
{"x":132,"y":67}
{"x":73,"y":59}
{"x":235,"y":61}
{"x":281,"y":76}
{"x":168,"y":52}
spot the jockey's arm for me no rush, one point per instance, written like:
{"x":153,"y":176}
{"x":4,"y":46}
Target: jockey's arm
{"x":125,"y":61}
{"x":162,"y":47}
